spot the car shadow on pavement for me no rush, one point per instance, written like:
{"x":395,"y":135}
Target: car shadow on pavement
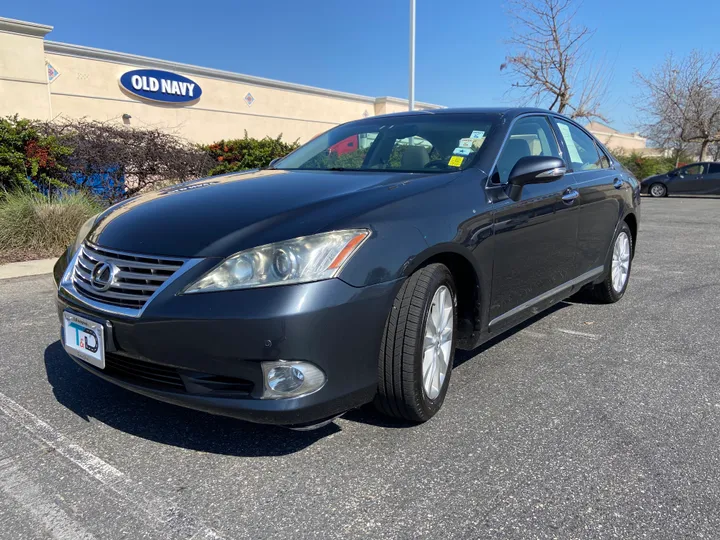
{"x":463,"y":356}
{"x":367,"y":415}
{"x":89,"y":396}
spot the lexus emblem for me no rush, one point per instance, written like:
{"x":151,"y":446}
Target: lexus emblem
{"x":102,"y":276}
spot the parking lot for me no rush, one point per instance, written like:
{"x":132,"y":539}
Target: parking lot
{"x":589,"y":421}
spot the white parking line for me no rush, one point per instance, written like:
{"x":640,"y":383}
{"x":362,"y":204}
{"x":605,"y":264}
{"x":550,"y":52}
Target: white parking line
{"x":163,"y":516}
{"x":576,"y":333}
{"x":18,"y":487}
{"x":90,"y":463}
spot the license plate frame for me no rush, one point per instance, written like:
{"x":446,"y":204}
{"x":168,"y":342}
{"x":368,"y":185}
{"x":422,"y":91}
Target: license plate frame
{"x":84,"y":338}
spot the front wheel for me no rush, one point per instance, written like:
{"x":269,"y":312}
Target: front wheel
{"x":617,"y":274}
{"x":418,"y":346}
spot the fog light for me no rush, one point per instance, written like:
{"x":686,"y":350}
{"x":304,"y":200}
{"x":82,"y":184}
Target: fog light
{"x":290,"y":379}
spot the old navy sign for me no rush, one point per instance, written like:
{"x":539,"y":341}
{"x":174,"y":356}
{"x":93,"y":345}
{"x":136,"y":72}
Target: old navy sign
{"x":160,"y":86}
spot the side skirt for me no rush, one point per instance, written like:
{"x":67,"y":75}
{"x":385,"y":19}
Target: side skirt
{"x":536,"y":305}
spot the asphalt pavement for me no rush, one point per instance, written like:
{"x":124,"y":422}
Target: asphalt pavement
{"x":590,"y":421}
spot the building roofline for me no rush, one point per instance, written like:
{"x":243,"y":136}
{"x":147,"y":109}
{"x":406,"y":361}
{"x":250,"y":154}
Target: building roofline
{"x":25,"y":28}
{"x":67,"y":49}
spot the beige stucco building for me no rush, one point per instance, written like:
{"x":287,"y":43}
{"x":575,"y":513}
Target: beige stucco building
{"x":617,"y":141}
{"x":42,"y":79}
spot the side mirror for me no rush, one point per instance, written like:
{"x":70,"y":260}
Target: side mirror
{"x":534,"y":170}
{"x":273,"y":162}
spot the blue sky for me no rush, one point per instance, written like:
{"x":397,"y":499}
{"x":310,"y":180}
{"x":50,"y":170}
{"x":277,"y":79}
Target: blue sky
{"x":362,"y":47}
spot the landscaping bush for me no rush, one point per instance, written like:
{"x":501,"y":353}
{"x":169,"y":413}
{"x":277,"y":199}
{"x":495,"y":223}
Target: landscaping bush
{"x":643,"y":166}
{"x":30,"y":159}
{"x":116,"y":161}
{"x":246,"y":153}
{"x":33,"y":225}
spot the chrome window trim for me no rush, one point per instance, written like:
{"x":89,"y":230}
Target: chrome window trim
{"x":546,"y":116}
{"x":68,"y":291}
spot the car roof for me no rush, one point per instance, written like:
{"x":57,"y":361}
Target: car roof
{"x":509,"y":112}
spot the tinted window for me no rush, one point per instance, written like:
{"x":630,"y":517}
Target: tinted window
{"x":531,"y":136}
{"x":409,"y":143}
{"x":714,"y":168}
{"x":604,"y":159}
{"x":582,"y":152}
{"x":698,"y":168}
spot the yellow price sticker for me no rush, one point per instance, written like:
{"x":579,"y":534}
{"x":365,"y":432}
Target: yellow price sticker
{"x":456,"y":161}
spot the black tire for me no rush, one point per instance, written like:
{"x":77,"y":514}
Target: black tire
{"x":658,"y":190}
{"x":400,"y":387}
{"x":604,"y":292}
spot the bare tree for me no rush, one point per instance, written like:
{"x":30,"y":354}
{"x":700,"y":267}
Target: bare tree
{"x":681,"y":99}
{"x":550,"y":61}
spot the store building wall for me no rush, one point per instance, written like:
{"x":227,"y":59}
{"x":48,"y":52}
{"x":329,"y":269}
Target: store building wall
{"x":44,"y":79}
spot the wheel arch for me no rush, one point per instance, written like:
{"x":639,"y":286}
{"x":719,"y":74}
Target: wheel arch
{"x":468,"y":284}
{"x":632,"y":223}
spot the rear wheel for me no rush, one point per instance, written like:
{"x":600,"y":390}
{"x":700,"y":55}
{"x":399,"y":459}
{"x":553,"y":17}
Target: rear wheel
{"x":418,"y":346}
{"x":658,"y":190}
{"x":617,"y":274}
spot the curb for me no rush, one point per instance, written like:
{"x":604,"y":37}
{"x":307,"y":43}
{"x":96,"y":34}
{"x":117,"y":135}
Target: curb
{"x":27,"y":268}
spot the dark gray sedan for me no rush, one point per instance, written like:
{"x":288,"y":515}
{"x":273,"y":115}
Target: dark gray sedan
{"x":693,"y":179}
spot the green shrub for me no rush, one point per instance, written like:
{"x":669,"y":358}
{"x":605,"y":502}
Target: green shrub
{"x":644,"y":166}
{"x":28,"y":158}
{"x":246,"y":153}
{"x":33,"y":225}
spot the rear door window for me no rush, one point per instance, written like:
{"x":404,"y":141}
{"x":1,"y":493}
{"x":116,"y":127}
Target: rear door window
{"x":582,"y":152}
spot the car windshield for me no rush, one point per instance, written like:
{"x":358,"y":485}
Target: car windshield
{"x":412,"y":143}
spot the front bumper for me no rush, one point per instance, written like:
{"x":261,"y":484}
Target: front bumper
{"x":213,"y":344}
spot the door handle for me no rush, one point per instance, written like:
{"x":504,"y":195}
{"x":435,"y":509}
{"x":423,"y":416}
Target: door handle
{"x":570,"y":195}
{"x":618,"y":183}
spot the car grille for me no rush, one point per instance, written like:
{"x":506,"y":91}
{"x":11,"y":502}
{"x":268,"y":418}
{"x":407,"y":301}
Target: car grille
{"x":137,"y":277}
{"x":148,"y":374}
{"x":143,"y":373}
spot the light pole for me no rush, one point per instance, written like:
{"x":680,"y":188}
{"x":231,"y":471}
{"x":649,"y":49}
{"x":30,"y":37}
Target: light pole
{"x":411,"y":99}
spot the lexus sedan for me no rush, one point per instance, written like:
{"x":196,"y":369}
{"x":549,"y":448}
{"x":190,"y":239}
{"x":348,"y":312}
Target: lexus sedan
{"x":349,"y":271}
{"x":693,"y":179}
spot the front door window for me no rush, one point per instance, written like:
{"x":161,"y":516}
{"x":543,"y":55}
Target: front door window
{"x":530,"y":136}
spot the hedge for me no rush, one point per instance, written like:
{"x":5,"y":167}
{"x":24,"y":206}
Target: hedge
{"x":643,"y":166}
{"x":114,"y":161}
{"x":246,"y":153}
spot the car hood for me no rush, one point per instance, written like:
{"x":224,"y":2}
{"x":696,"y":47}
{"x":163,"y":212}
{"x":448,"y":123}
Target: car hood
{"x":218,"y":216}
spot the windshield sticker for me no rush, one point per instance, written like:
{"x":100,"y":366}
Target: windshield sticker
{"x":466,"y":143}
{"x":462,"y":151}
{"x":572,"y":149}
{"x":456,"y":161}
{"x":477,"y":134}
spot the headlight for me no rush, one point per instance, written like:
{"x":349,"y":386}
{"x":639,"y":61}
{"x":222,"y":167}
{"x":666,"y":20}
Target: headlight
{"x":309,"y":258}
{"x":82,"y":234}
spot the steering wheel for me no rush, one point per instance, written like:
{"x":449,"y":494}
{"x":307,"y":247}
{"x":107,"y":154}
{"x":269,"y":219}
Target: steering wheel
{"x":436,"y":164}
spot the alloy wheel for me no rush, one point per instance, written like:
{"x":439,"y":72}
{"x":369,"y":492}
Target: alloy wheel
{"x":657,"y":190}
{"x":620,"y":262}
{"x":437,"y":345}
